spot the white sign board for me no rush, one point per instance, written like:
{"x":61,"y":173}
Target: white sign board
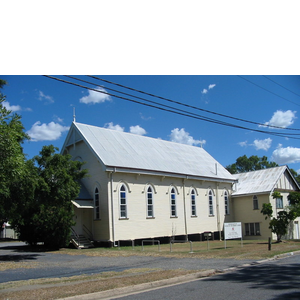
{"x":232,"y":230}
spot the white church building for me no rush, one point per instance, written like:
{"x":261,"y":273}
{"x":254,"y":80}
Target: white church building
{"x":145,"y":188}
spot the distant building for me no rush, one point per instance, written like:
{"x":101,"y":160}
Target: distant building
{"x":255,"y":188}
{"x":145,"y":188}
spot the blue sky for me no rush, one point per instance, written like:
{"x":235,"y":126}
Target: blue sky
{"x":46,"y":107}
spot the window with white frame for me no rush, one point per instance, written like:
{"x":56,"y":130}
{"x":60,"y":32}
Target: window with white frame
{"x":150,"y":212}
{"x":123,"y":202}
{"x":96,"y":204}
{"x":255,"y":202}
{"x":226,"y":203}
{"x":279,"y":202}
{"x":173,"y":203}
{"x":193,"y":203}
{"x":210,"y":203}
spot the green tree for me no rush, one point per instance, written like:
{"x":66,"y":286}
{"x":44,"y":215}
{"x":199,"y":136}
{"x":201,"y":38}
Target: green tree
{"x":12,"y":158}
{"x":279,"y":225}
{"x":44,"y":212}
{"x":253,"y":163}
{"x":296,"y":175}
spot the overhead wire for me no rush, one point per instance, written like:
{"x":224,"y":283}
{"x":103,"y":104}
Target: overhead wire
{"x":267,"y":90}
{"x":281,"y":85}
{"x":153,"y":102}
{"x":190,"y":106}
{"x":172,"y":109}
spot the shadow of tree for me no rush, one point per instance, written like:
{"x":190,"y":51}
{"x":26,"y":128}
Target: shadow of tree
{"x":267,"y":276}
{"x":26,"y":248}
{"x":17,"y":253}
{"x":18,"y":258}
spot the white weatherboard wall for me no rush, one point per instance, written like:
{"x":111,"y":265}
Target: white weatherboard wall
{"x":138,"y":226}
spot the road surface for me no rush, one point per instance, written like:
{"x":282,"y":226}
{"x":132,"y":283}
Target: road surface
{"x":275,"y":279}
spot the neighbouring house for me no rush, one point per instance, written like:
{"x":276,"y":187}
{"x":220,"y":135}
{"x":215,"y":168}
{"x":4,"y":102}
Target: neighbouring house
{"x":142,"y":188}
{"x":255,"y":188}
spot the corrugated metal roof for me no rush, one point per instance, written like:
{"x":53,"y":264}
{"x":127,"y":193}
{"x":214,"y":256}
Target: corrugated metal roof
{"x":126,"y":150}
{"x":256,"y":182}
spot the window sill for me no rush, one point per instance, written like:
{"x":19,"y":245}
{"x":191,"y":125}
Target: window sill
{"x":150,"y":217}
{"x":173,"y":217}
{"x":211,"y":215}
{"x":123,"y":218}
{"x":194,"y":216}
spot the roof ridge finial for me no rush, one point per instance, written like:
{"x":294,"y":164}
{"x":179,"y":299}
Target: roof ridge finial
{"x":74,"y":116}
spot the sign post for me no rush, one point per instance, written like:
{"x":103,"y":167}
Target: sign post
{"x":233,"y":231}
{"x":207,"y":234}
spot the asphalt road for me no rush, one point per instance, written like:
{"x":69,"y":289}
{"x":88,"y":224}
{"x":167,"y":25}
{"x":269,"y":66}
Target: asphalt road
{"x":49,"y":265}
{"x":276,"y":280}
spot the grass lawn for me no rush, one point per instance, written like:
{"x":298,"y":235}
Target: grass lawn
{"x":56,"y":288}
{"x":212,"y":249}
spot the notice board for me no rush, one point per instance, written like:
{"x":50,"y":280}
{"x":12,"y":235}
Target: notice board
{"x":232,"y":230}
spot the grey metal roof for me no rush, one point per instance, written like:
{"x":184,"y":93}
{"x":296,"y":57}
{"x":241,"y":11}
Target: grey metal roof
{"x":256,"y":182}
{"x":130,"y":151}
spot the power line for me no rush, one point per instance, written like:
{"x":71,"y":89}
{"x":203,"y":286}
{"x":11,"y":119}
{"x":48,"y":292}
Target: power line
{"x":268,"y":90}
{"x":281,"y":85}
{"x":177,"y":111}
{"x":190,"y":106}
{"x":153,"y":102}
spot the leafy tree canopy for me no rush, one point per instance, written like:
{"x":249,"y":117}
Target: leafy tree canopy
{"x":279,"y":224}
{"x":43,"y":210}
{"x":36,"y":194}
{"x":12,"y":158}
{"x":252,"y":163}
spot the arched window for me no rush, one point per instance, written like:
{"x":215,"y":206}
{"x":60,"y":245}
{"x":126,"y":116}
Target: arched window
{"x":193,"y":203}
{"x":96,"y":204}
{"x":211,"y":203}
{"x":150,"y":212}
{"x":173,"y":203}
{"x":226,"y":203}
{"x":123,"y":202}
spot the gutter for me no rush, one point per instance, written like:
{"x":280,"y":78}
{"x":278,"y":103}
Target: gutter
{"x":168,"y":174}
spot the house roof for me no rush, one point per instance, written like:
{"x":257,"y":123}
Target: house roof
{"x":260,"y":181}
{"x":134,"y":153}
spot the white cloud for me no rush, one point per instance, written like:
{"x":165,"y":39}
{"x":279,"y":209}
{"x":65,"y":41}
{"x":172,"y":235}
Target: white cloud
{"x":137,"y":130}
{"x":263,"y":144}
{"x":13,"y":108}
{"x":210,"y":87}
{"x":243,"y":144}
{"x":183,"y":137}
{"x":286,"y":155}
{"x":95,"y":97}
{"x":282,"y":118}
{"x":43,"y":97}
{"x":46,"y":132}
{"x":114,"y":127}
